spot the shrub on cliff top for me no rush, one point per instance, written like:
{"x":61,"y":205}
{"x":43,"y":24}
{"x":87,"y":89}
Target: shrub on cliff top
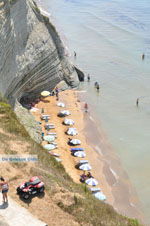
{"x":9,"y":121}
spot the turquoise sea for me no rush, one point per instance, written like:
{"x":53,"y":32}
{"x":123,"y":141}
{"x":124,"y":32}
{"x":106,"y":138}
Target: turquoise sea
{"x":109,"y":37}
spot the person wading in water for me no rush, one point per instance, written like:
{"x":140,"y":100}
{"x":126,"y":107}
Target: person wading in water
{"x":88,"y":77}
{"x":143,"y":56}
{"x":97,"y":86}
{"x":5,"y":187}
{"x":137,"y":102}
{"x":75,"y":54}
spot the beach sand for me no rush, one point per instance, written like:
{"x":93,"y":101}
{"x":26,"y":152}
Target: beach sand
{"x":99,"y":153}
{"x":73,"y":104}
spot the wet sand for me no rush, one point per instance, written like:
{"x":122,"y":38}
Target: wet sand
{"x":106,"y":167}
{"x":125,"y":199}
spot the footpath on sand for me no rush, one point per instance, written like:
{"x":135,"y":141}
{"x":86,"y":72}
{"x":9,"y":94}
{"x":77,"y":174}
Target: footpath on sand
{"x":12,"y":214}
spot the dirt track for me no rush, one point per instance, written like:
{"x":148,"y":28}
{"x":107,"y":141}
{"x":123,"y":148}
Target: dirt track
{"x":15,"y":215}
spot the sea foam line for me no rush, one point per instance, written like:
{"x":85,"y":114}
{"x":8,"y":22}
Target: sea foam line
{"x":44,"y":12}
{"x":81,"y":91}
{"x":91,"y":118}
{"x":115,"y":175}
{"x":99,"y":150}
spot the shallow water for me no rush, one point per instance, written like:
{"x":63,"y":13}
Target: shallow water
{"x":109,"y":38}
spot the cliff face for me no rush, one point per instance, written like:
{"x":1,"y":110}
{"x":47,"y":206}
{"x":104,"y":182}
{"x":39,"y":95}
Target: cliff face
{"x":32,"y":57}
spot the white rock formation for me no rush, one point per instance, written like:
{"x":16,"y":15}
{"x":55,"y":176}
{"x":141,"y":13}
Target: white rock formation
{"x":32,"y":56}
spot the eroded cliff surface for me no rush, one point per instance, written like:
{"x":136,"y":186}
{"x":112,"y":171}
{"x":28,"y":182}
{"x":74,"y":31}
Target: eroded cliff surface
{"x":32,"y":56}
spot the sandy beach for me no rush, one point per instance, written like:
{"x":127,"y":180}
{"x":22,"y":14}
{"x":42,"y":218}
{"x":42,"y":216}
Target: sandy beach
{"x":99,"y":152}
{"x":73,"y":104}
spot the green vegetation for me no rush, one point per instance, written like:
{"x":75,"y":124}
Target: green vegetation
{"x":9,"y":122}
{"x":36,"y":7}
{"x":12,"y":1}
{"x":84,"y":207}
{"x":46,"y":19}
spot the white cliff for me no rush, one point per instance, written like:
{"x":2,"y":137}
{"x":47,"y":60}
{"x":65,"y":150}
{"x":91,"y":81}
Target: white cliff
{"x":32,"y":56}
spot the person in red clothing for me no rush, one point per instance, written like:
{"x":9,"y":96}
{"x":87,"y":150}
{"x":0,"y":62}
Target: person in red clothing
{"x":86,"y":107}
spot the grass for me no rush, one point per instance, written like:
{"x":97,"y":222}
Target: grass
{"x":9,"y":121}
{"x":85,"y":208}
{"x":14,"y":164}
{"x":14,"y":178}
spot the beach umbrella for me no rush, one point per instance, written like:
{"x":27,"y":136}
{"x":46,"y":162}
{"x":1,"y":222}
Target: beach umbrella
{"x":45,"y":93}
{"x":54,"y":154}
{"x":45,"y":117}
{"x":49,"y":126}
{"x":80,"y":154}
{"x":94,"y":189}
{"x":61,"y":104}
{"x":91,"y":181}
{"x":58,"y":159}
{"x":49,"y":138}
{"x":75,"y":141}
{"x":72,"y":131}
{"x":77,"y":149}
{"x":49,"y":146}
{"x":100,"y":196}
{"x":68,"y":121}
{"x":85,"y":167}
{"x":65,"y":112}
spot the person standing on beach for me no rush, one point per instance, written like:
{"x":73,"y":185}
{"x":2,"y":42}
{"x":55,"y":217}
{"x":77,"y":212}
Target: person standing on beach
{"x":4,"y":187}
{"x":57,"y":93}
{"x":86,"y":107}
{"x":56,"y":90}
{"x":57,"y":96}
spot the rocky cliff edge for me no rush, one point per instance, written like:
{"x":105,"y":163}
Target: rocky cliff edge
{"x":32,"y":56}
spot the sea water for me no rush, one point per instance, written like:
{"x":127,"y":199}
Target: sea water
{"x":109,"y":37}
